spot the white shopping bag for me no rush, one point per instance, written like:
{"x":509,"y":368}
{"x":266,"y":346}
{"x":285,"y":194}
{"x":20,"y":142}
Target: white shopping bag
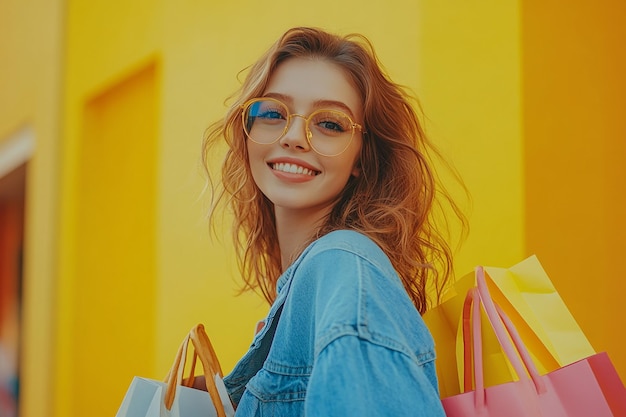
{"x":141,"y":399}
{"x":150,"y":398}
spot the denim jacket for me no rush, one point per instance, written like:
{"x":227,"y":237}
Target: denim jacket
{"x":342,"y":339}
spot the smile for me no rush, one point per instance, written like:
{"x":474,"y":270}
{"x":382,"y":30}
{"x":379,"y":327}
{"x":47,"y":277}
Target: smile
{"x":293,"y":169}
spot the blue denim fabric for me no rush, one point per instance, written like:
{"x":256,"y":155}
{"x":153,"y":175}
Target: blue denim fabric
{"x":349,"y":341}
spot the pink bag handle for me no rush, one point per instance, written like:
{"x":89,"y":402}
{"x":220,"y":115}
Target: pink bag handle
{"x":507,"y":336}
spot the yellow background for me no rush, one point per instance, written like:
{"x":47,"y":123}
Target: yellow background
{"x":526,"y":98}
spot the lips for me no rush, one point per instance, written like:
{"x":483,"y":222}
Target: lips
{"x":292,"y":168}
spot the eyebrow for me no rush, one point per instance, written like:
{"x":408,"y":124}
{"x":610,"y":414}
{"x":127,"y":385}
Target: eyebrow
{"x":317,"y":103}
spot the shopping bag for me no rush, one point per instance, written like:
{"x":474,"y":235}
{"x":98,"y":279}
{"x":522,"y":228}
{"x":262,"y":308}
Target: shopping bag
{"x":144,"y":398}
{"x":528,"y":297}
{"x":175,"y":397}
{"x":588,"y":387}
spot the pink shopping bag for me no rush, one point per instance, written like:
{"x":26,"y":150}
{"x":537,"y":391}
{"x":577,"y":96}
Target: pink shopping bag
{"x":589,"y":387}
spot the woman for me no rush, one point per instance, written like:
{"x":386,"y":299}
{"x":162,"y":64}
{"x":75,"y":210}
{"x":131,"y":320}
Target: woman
{"x":332,"y":192}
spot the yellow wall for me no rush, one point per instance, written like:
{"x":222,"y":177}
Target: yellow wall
{"x":114,"y":287}
{"x":31,"y":53}
{"x":575,"y":143}
{"x":130,"y":215}
{"x":468,"y":77}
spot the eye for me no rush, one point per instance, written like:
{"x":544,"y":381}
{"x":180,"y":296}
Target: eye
{"x":271,"y":114}
{"x":270,"y":110}
{"x":331,"y":123}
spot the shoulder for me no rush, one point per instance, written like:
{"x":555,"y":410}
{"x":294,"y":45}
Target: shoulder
{"x":346,"y":244}
{"x":346,"y":239}
{"x":345,"y":262}
{"x":347,"y":286}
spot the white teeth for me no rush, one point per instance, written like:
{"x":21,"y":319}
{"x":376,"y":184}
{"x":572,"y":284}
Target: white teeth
{"x":292,"y":169}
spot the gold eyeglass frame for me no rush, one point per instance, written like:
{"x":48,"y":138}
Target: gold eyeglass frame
{"x":307,"y":119}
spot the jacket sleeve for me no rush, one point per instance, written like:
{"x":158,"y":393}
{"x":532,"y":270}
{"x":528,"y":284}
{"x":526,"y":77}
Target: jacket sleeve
{"x":355,"y":377}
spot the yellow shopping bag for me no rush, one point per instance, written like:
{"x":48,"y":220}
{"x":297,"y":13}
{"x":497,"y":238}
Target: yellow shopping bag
{"x":528,"y":297}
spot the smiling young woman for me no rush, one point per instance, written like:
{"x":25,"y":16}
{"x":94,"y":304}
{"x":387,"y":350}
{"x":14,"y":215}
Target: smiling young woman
{"x":328,"y":177}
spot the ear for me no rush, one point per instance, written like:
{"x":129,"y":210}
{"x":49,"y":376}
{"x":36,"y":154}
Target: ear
{"x":356,"y":170}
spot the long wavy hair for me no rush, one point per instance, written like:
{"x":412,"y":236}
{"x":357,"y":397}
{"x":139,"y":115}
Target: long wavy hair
{"x":392,"y":200}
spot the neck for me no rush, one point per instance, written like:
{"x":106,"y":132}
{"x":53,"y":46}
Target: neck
{"x":295,"y":228}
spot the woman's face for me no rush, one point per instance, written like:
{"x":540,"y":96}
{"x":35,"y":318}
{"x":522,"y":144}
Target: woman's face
{"x":293,"y":176}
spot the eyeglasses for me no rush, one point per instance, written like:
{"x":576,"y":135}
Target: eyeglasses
{"x":267,"y":120}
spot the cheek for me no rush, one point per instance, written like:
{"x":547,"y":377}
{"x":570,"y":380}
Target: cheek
{"x":342,"y":170}
{"x":257,"y":169}
{"x":252,"y":160}
{"x":254,"y":153}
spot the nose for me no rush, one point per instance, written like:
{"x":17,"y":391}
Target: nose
{"x":296,"y":136}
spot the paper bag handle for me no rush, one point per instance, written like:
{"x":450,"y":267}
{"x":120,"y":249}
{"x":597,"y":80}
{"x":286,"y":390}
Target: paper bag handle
{"x":507,"y":336}
{"x":203,"y":349}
